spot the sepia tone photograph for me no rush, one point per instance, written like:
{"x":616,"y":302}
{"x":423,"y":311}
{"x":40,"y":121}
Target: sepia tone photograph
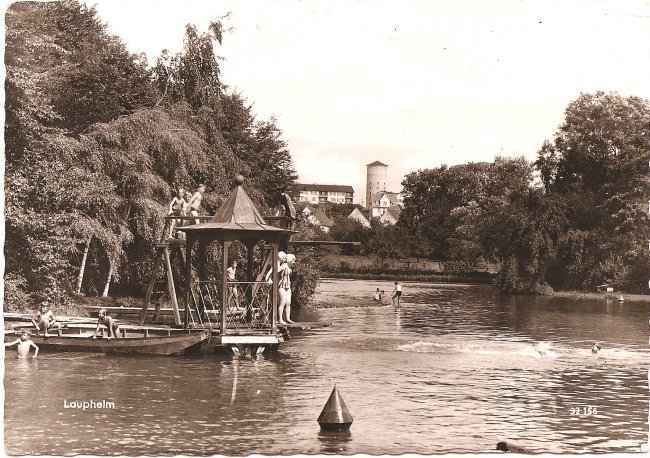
{"x":343,"y":227}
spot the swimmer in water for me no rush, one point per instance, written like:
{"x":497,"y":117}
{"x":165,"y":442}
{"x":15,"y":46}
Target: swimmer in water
{"x":595,"y":348}
{"x":543,"y":349}
{"x":23,"y":346}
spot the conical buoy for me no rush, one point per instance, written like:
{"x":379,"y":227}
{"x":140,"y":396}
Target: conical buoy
{"x":335,"y":415}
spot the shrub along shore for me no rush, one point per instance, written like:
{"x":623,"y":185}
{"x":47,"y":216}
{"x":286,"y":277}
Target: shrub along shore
{"x":428,"y":277}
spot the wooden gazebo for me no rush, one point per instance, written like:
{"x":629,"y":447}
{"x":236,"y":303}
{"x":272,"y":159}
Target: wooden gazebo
{"x":246,"y":311}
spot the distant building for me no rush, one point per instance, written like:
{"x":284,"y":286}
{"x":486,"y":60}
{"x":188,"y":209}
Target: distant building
{"x":315,"y":215}
{"x":315,"y":193}
{"x":376,"y":179}
{"x":391,"y":215}
{"x":357,"y":215}
{"x":382,"y":201}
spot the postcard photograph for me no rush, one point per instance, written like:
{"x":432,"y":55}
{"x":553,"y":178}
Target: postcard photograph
{"x":360,"y":227}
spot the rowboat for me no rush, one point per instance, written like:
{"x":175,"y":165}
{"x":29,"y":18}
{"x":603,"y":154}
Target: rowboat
{"x":131,"y":339}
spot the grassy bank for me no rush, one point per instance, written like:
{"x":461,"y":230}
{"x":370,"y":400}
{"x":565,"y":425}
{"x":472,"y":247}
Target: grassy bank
{"x":602,"y":296}
{"x":416,"y":277}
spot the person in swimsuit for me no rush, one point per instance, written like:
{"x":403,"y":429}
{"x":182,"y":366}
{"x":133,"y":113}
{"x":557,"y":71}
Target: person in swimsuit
{"x":23,"y":346}
{"x":284,"y":289}
{"x":195,"y":202}
{"x":397,"y":292}
{"x":45,"y":319}
{"x":289,"y":210}
{"x":231,"y":273}
{"x":176,"y":208}
{"x":109,"y":322}
{"x":379,"y":295}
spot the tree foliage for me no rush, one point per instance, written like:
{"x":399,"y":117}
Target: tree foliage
{"x":597,"y":163}
{"x":96,"y":143}
{"x":586,"y":226}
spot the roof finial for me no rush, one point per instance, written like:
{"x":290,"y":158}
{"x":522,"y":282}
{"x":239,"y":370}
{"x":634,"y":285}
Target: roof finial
{"x":239,"y":179}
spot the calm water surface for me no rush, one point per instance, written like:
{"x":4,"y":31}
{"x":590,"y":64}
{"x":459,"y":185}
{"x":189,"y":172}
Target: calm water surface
{"x":452,"y":370}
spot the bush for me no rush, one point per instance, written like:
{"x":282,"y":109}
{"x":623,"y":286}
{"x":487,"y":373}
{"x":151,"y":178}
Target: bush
{"x":512,"y":279}
{"x":16,"y":299}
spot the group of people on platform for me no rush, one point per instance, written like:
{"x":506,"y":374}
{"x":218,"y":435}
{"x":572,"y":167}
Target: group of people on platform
{"x":184,"y":204}
{"x":45,"y":321}
{"x":284,"y":268}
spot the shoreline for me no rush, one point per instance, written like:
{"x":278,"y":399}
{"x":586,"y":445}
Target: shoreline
{"x":80,"y":309}
{"x":628,"y":297}
{"x":451,"y":279}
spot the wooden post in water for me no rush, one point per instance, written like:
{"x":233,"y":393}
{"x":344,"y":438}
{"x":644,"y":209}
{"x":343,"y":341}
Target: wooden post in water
{"x":274,"y":266}
{"x":224,"y":285}
{"x":188,"y":278}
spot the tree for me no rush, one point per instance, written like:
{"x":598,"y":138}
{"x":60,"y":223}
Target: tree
{"x":386,"y":241}
{"x":95,"y":143}
{"x":597,"y":162}
{"x":350,"y":230}
{"x":434,"y":198}
{"x":522,"y":234}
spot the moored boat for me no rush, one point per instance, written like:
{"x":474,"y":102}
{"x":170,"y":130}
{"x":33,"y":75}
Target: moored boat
{"x":131,"y":340}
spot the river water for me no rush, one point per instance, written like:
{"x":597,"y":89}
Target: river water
{"x":452,"y":370}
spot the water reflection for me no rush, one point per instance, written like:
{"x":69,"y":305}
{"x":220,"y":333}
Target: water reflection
{"x":334,"y":442}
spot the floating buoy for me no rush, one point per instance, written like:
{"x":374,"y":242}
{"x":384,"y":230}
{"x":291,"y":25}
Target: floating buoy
{"x":335,"y":415}
{"x":510,"y":447}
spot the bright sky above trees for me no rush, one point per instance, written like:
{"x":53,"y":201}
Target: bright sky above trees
{"x":414,"y":83}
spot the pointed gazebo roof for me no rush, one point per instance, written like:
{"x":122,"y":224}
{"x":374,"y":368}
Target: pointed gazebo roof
{"x":238,"y":213}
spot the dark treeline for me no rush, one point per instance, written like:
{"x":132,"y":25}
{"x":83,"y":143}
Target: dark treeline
{"x":96,"y":141}
{"x":576,"y":218}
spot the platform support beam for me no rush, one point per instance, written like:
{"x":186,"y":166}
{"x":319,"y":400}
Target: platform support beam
{"x":188,"y":278}
{"x":170,"y":286}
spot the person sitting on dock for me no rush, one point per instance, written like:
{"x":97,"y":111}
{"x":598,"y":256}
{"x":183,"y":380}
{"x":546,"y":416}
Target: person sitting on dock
{"x":45,"y":319}
{"x":379,"y":295}
{"x":194,"y":203}
{"x":397,"y":293}
{"x":176,"y":208}
{"x":23,"y":346}
{"x":109,"y":322}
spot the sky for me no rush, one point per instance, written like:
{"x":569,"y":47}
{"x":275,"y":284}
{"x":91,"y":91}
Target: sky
{"x":412,"y":83}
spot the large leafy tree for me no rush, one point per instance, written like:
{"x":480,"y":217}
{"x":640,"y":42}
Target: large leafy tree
{"x":55,"y":198}
{"x":597,"y":162}
{"x":95,"y":143}
{"x":433,"y":195}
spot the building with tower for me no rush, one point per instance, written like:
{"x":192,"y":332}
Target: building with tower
{"x":382,"y":203}
{"x":376,"y":180}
